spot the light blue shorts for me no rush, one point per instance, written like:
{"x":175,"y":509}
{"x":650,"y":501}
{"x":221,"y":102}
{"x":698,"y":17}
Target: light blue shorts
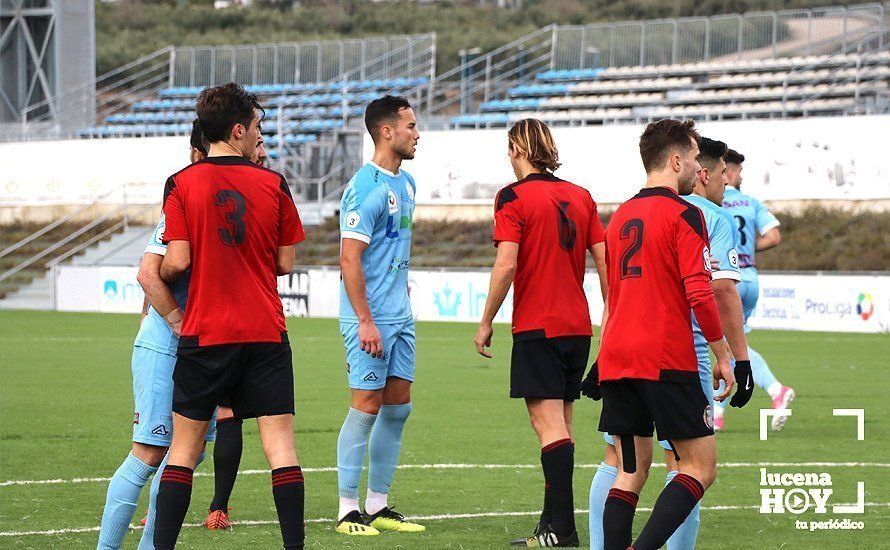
{"x":370,"y":373}
{"x":749,"y":292}
{"x":705,"y":377}
{"x":153,"y":396}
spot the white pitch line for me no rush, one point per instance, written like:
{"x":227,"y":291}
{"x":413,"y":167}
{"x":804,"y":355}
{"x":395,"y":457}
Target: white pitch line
{"x":330,"y":469}
{"x":437,"y":517}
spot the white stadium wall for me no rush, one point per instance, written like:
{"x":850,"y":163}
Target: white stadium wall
{"x":817,"y":302}
{"x":797,"y":159}
{"x":40,"y":173}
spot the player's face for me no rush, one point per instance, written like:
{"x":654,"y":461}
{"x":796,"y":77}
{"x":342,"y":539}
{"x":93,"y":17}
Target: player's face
{"x":689,"y":169}
{"x":259,"y":155}
{"x":716,"y":184}
{"x":405,"y":135}
{"x":250,"y":136}
{"x":734,"y":174}
{"x":195,"y":155}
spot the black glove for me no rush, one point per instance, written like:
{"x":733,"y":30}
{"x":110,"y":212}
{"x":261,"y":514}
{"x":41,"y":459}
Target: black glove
{"x":590,"y":386}
{"x":745,"y":381}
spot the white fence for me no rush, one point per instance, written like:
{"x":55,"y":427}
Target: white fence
{"x":835,"y":303}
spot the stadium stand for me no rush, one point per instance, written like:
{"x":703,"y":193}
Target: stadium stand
{"x":304,"y":111}
{"x":796,"y":86}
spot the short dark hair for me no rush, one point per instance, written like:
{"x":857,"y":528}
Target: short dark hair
{"x":220,"y":108}
{"x":710,"y":151}
{"x":383,"y":110}
{"x":659,"y":138}
{"x":198,"y":140}
{"x":734,"y":156}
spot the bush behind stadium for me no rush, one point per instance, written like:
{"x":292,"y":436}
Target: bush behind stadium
{"x":128,"y":29}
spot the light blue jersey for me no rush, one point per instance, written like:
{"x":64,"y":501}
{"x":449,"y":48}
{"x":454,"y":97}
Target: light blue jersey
{"x":154,"y":333}
{"x":722,"y":238}
{"x":752,"y":218}
{"x":378,"y":208}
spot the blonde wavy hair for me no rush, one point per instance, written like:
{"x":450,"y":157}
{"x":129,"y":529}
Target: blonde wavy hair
{"x":532,"y":139}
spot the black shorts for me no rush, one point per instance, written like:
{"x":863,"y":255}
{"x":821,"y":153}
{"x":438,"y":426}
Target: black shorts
{"x":548,"y":368}
{"x":678,"y":410}
{"x":254,"y":379}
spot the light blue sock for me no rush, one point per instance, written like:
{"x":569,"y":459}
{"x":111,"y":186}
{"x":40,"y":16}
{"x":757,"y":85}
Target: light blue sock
{"x":147,"y":540}
{"x":351,"y":447}
{"x":384,"y":446}
{"x":121,"y":500}
{"x":763,"y":376}
{"x":599,"y":491}
{"x":685,"y":535}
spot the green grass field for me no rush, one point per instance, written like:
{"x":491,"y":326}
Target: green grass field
{"x":66,"y":411}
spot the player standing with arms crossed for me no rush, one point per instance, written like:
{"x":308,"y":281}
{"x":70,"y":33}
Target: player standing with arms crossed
{"x":544,"y":227}
{"x":751,"y":215}
{"x":659,"y":267}
{"x":376,"y":221}
{"x":234,"y":224}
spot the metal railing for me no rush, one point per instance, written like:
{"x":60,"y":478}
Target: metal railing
{"x":114,"y":91}
{"x":285,"y":63}
{"x":760,"y":35}
{"x":414,"y":59}
{"x":121,"y":208}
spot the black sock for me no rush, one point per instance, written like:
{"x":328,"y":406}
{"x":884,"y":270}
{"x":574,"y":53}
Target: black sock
{"x":174,"y":494}
{"x":618,"y":519}
{"x":676,"y":500}
{"x":288,"y":491}
{"x":558,"y":461}
{"x":226,"y":459}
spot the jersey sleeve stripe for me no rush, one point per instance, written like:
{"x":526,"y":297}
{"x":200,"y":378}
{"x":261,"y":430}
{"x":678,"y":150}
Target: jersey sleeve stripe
{"x":155,"y":249}
{"x":771,"y":225}
{"x":355,"y":235}
{"x":726,"y":274}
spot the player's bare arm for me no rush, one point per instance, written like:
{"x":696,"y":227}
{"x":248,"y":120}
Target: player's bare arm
{"x":729,"y":304}
{"x":722,"y":368}
{"x":157,"y":293}
{"x":598,"y":251}
{"x":354,"y":281}
{"x":285,"y":259}
{"x":771,"y":239}
{"x":177,"y":260}
{"x":501,"y":278}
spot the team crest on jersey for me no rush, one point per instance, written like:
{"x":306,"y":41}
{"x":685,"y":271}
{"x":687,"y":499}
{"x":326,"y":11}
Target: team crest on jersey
{"x":708,"y":417}
{"x":706,"y":255}
{"x":352,"y":220}
{"x":393,"y":203}
{"x":159,"y":232}
{"x":410,"y":190}
{"x":733,"y":258}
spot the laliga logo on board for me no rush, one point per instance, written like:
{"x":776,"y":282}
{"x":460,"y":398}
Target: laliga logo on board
{"x":865,"y":305}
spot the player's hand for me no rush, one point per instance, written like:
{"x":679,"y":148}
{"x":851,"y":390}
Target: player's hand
{"x":370,"y":339}
{"x":723,"y":371}
{"x":745,"y":379}
{"x":483,"y":340}
{"x":174,"y":319}
{"x":590,"y":386}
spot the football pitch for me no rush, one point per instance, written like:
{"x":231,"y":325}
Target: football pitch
{"x":469,"y":463}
